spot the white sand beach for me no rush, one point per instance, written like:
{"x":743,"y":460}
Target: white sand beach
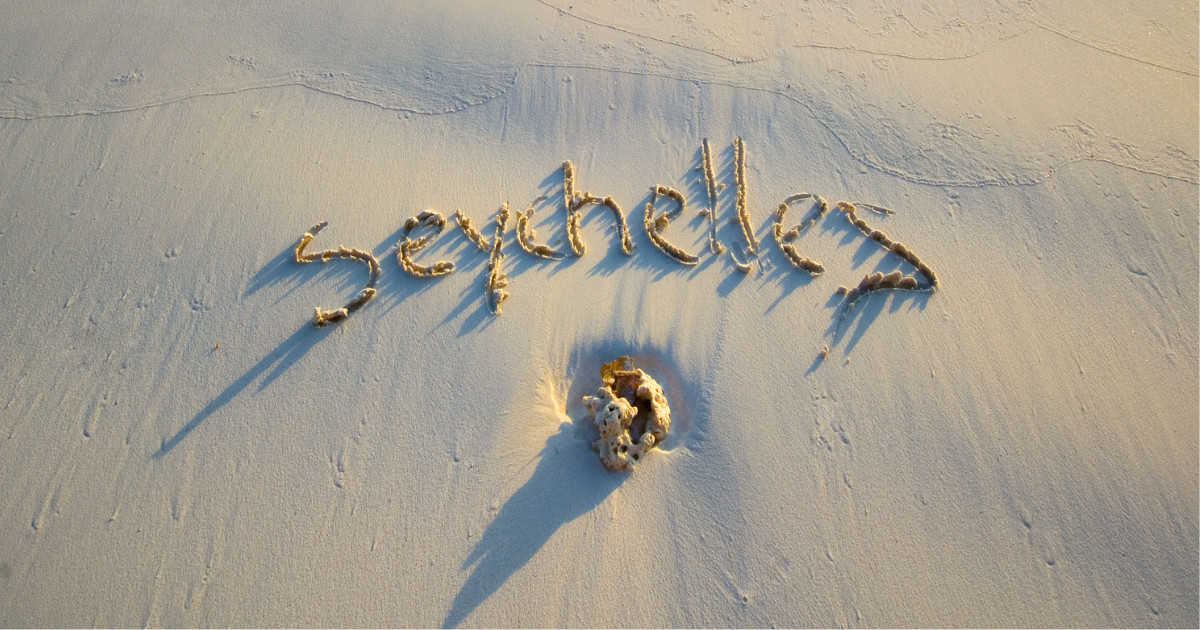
{"x":1016,"y":446}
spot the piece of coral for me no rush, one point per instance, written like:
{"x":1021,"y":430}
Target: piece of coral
{"x":631,"y":412}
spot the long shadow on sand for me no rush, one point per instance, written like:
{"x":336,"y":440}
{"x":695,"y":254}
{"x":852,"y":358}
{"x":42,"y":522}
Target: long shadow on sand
{"x":567,"y":483}
{"x":274,"y":364}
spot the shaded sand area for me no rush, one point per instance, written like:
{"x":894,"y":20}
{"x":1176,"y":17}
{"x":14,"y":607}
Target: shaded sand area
{"x":182,"y":447}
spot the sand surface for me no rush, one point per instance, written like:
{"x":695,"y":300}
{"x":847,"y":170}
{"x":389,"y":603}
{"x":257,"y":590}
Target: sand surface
{"x":181,"y":447}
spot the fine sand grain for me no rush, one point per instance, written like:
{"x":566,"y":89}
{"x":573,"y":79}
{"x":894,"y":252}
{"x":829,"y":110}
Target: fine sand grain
{"x":1008,"y":439}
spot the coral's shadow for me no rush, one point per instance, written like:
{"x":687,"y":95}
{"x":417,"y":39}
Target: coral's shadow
{"x":567,"y":483}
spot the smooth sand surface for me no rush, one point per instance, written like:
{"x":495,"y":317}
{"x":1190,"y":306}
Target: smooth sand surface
{"x":181,"y":447}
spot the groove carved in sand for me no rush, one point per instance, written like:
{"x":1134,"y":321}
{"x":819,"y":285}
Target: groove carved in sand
{"x":879,"y":281}
{"x":473,"y":235}
{"x":576,"y":201}
{"x":497,"y":281}
{"x":743,"y":214}
{"x":409,"y":246}
{"x":526,"y":234}
{"x":786,"y":239}
{"x":655,"y":226}
{"x":710,"y":184}
{"x":325,"y":318}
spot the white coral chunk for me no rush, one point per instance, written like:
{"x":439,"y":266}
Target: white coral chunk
{"x":627,"y":433}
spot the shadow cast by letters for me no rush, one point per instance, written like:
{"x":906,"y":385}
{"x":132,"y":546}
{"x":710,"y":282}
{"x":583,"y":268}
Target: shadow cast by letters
{"x":274,"y":272}
{"x":283,"y":267}
{"x":567,"y":483}
{"x":274,"y":364}
{"x":866,"y":309}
